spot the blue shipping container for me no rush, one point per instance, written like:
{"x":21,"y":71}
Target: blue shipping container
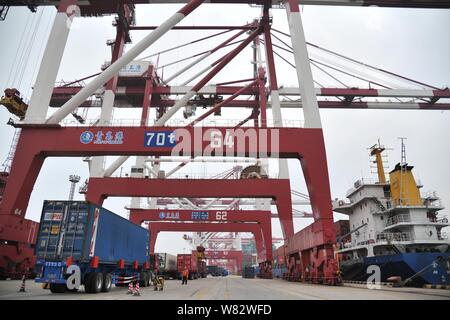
{"x":82,"y":230}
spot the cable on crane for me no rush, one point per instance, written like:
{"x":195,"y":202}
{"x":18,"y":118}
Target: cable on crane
{"x":292,"y":65}
{"x":196,"y":55}
{"x":362,"y":63}
{"x":22,"y":37}
{"x":20,"y":53}
{"x":184,"y":45}
{"x":40,"y":52}
{"x":31,"y":43}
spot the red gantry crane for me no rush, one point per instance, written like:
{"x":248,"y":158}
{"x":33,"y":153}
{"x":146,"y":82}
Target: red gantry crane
{"x":129,"y":82}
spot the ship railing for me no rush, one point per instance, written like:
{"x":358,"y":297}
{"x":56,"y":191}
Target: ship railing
{"x":398,"y":219}
{"x":413,"y":202}
{"x":394,"y":236}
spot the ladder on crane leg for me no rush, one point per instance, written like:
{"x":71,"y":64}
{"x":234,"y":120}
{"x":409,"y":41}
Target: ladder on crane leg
{"x":6,"y":165}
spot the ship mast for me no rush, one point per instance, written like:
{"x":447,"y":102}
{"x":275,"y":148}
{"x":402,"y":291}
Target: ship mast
{"x":376,"y":151}
{"x":403,"y":168}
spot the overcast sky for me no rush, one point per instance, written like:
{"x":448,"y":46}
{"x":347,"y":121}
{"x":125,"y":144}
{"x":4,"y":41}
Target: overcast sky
{"x":411,"y":42}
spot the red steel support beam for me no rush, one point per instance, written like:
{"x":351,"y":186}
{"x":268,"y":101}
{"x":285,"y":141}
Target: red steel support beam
{"x":138,"y":216}
{"x":117,"y":52}
{"x":262,"y":96}
{"x":225,"y":60}
{"x":94,"y":7}
{"x":147,"y":95}
{"x":246,"y":27}
{"x":65,"y":91}
{"x":306,"y":145}
{"x":269,"y":52}
{"x":255,"y":228}
{"x":279,"y":189}
{"x":230,"y":255}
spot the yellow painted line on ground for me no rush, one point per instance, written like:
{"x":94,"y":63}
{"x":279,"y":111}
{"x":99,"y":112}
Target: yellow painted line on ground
{"x":226,"y":292}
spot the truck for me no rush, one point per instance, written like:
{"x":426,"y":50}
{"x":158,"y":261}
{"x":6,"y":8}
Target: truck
{"x":216,"y":271}
{"x":212,"y":270}
{"x":80,"y":243}
{"x":222,"y":272}
{"x":190,"y":261}
{"x":167,"y":265}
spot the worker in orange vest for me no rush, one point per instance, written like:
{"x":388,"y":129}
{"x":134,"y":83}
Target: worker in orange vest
{"x":185,"y":276}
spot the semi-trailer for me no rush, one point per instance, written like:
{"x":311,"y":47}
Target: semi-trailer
{"x":80,"y":243}
{"x":167,"y":265}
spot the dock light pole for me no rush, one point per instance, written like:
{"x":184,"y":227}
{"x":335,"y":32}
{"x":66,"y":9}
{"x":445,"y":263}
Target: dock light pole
{"x":74,"y":179}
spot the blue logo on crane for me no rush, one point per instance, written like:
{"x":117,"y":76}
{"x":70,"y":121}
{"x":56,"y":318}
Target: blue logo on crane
{"x":86,"y":137}
{"x":162,"y":215}
{"x":100,"y":137}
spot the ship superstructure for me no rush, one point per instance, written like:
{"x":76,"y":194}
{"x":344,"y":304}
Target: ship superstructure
{"x":395,"y":226}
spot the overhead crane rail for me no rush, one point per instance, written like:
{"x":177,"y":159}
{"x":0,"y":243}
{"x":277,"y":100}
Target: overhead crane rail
{"x":96,"y":7}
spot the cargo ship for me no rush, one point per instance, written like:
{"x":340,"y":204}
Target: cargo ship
{"x":394,"y":226}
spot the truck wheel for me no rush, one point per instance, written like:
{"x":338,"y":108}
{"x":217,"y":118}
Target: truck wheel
{"x":107,"y":282}
{"x":57,"y":288}
{"x":97,"y":282}
{"x":93,"y":282}
{"x":88,"y":283}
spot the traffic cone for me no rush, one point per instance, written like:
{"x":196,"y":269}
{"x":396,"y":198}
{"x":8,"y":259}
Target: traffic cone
{"x":130,"y":288}
{"x":22,"y":286}
{"x":137,"y":289}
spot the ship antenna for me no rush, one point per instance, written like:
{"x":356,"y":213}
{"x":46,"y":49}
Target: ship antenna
{"x":403,"y":152}
{"x":402,"y":166}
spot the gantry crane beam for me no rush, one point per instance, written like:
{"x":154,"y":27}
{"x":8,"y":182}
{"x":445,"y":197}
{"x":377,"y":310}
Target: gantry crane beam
{"x":38,"y":142}
{"x":98,"y":7}
{"x":65,"y":91}
{"x":255,"y":228}
{"x":130,"y":97}
{"x":263,"y":218}
{"x":101,"y":188}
